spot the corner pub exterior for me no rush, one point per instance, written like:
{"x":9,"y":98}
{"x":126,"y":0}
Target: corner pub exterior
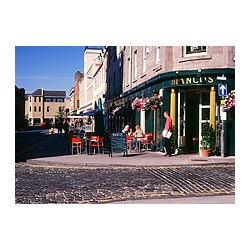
{"x":188,"y":79}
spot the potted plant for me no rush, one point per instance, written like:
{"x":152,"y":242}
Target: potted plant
{"x":208,"y":140}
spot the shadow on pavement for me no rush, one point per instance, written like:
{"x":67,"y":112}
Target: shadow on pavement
{"x":39,"y":143}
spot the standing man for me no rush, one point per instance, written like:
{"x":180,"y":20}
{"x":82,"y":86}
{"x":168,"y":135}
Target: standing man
{"x":166,"y":141}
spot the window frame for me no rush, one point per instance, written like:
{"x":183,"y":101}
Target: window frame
{"x":195,"y":53}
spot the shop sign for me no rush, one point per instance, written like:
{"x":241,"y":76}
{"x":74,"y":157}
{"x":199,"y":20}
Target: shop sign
{"x":192,"y":80}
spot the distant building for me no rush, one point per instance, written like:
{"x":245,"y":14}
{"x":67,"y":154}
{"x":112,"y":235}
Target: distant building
{"x":92,"y":62}
{"x":43,"y":106}
{"x":75,"y":93}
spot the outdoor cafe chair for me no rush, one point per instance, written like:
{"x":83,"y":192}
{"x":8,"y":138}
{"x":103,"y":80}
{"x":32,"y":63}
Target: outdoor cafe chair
{"x":129,"y":142}
{"x":76,"y":143}
{"x":147,"y":141}
{"x":96,"y":142}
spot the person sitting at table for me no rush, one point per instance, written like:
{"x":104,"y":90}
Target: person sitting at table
{"x":126,"y":130}
{"x":138,"y":135}
{"x":138,"y":132}
{"x":130,"y":132}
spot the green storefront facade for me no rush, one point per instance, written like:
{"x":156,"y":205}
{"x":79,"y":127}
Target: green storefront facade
{"x":192,"y":97}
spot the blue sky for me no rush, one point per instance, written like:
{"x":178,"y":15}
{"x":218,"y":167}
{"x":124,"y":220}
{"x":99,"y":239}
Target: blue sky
{"x":47,"y":67}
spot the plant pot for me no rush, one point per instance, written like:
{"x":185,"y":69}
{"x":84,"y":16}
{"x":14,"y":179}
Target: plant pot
{"x":204,"y":152}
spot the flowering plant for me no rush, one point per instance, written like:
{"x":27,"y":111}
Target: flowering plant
{"x":139,"y":103}
{"x":230,"y":100}
{"x":149,"y":103}
{"x":153,"y":102}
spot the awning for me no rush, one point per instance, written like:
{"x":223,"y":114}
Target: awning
{"x":89,"y":113}
{"x":74,"y":116}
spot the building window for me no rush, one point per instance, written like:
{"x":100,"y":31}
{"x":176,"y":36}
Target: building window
{"x":39,"y":98}
{"x":135,"y":64}
{"x":39,"y":108}
{"x":157,"y":57}
{"x":47,"y":108}
{"x":144,"y":62}
{"x":30,"y":98}
{"x":35,"y":99}
{"x":30,"y":108}
{"x":34,"y":108}
{"x":129,"y":72}
{"x":194,"y":50}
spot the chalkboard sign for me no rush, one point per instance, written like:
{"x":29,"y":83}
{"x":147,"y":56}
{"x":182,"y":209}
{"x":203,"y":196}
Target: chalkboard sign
{"x":118,"y":143}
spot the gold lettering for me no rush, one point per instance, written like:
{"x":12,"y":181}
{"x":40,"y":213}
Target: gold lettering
{"x":182,"y":81}
{"x":194,"y":80}
{"x":210,"y":79}
{"x":188,"y":80}
{"x":174,"y":81}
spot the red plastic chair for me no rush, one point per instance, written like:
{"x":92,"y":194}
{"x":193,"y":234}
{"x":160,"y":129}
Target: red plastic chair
{"x":76,"y":144}
{"x":147,"y":140}
{"x":129,"y":142}
{"x":96,"y":142}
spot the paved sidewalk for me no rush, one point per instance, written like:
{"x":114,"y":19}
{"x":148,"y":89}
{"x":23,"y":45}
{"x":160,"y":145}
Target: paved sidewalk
{"x":54,"y":151}
{"x":216,"y":199}
{"x":146,"y":158}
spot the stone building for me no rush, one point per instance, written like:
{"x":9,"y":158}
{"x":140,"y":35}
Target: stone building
{"x":43,"y":106}
{"x":87,"y":85}
{"x":188,"y":79}
{"x":74,"y":94}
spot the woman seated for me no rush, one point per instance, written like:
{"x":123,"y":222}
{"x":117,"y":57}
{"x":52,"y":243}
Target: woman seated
{"x":138,"y":132}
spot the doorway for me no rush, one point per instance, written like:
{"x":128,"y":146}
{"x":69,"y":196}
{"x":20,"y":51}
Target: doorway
{"x":193,"y":111}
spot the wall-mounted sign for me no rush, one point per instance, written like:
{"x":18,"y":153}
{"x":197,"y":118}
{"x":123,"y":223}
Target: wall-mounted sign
{"x":193,"y":80}
{"x":222,"y":89}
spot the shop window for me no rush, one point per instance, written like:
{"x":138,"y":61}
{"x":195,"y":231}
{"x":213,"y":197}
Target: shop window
{"x":205,"y":114}
{"x":194,"y":50}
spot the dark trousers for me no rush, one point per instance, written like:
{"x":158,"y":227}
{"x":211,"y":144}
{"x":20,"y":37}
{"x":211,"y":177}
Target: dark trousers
{"x":167,"y":145}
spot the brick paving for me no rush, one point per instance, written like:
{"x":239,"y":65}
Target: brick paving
{"x":77,"y":185}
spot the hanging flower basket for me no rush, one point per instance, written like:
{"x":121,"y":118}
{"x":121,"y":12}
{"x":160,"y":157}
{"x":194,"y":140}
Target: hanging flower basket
{"x":139,"y":103}
{"x":230,"y":101}
{"x":154,"y":102}
{"x":149,"y":103}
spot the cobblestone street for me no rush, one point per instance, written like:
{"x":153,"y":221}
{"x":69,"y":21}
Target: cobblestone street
{"x":77,"y":185}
